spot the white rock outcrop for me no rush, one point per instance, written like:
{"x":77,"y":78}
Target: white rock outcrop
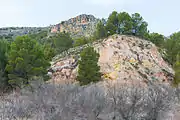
{"x":122,"y":58}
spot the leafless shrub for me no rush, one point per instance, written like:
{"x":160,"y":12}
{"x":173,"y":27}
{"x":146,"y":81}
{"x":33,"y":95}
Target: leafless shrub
{"x":140,"y":103}
{"x":73,"y":102}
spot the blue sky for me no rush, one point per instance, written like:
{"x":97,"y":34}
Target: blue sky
{"x":162,"y":15}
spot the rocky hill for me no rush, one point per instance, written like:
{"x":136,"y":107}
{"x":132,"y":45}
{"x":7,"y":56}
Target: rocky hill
{"x":82,"y":25}
{"x":18,"y":31}
{"x":122,"y":58}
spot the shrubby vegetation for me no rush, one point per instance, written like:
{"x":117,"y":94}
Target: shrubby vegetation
{"x":80,"y":41}
{"x":157,"y":39}
{"x":61,"y":42}
{"x":68,"y":102}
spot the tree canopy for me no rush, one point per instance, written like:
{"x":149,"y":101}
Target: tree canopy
{"x":100,"y":31}
{"x":88,"y":70}
{"x":4,"y":47}
{"x":172,"y":46}
{"x":61,"y":42}
{"x":26,"y":59}
{"x":157,"y":39}
{"x":123,"y":23}
{"x":139,"y":25}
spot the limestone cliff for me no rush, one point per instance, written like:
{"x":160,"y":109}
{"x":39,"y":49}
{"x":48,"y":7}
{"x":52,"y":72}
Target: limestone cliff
{"x":122,"y":58}
{"x":82,"y":25}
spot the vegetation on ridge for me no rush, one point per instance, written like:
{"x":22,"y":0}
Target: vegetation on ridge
{"x":20,"y":56}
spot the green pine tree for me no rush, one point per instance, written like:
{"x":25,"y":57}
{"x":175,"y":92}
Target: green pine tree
{"x":125,"y":23}
{"x":4,"y":46}
{"x":88,"y":71}
{"x":177,"y":71}
{"x":139,"y":26}
{"x":26,"y":59}
{"x":100,"y":31}
{"x":61,"y":42}
{"x":112,"y":23}
{"x":80,"y":41}
{"x":172,"y":46}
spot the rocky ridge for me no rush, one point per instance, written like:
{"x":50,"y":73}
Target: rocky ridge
{"x":19,"y":31}
{"x":122,"y":58}
{"x":82,"y":25}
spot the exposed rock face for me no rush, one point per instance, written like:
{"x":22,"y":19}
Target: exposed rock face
{"x":122,"y":58}
{"x":77,"y":26}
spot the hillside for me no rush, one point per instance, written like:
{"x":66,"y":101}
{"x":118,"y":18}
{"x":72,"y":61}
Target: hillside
{"x":122,"y":58}
{"x":48,"y":74}
{"x":81,"y":25}
{"x":19,"y":31}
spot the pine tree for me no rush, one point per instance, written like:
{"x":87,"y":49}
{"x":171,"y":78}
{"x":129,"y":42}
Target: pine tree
{"x":62,"y":42}
{"x":139,"y":25}
{"x":26,"y":59}
{"x":177,"y":71}
{"x":172,"y":46}
{"x":125,"y":23}
{"x":4,"y":46}
{"x":157,"y":39}
{"x":88,"y":70}
{"x":112,"y":23}
{"x":100,"y":31}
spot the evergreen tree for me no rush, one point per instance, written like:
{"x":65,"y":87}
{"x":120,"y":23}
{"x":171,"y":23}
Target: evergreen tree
{"x":157,"y":39}
{"x":49,"y":52}
{"x":139,"y":25}
{"x":172,"y":46}
{"x":124,"y":23}
{"x":100,"y":31}
{"x":80,"y":41}
{"x":177,"y":71}
{"x":88,"y":67}
{"x":112,"y":23}
{"x":26,"y":59}
{"x":62,"y":42}
{"x":40,"y":36}
{"x":4,"y":46}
